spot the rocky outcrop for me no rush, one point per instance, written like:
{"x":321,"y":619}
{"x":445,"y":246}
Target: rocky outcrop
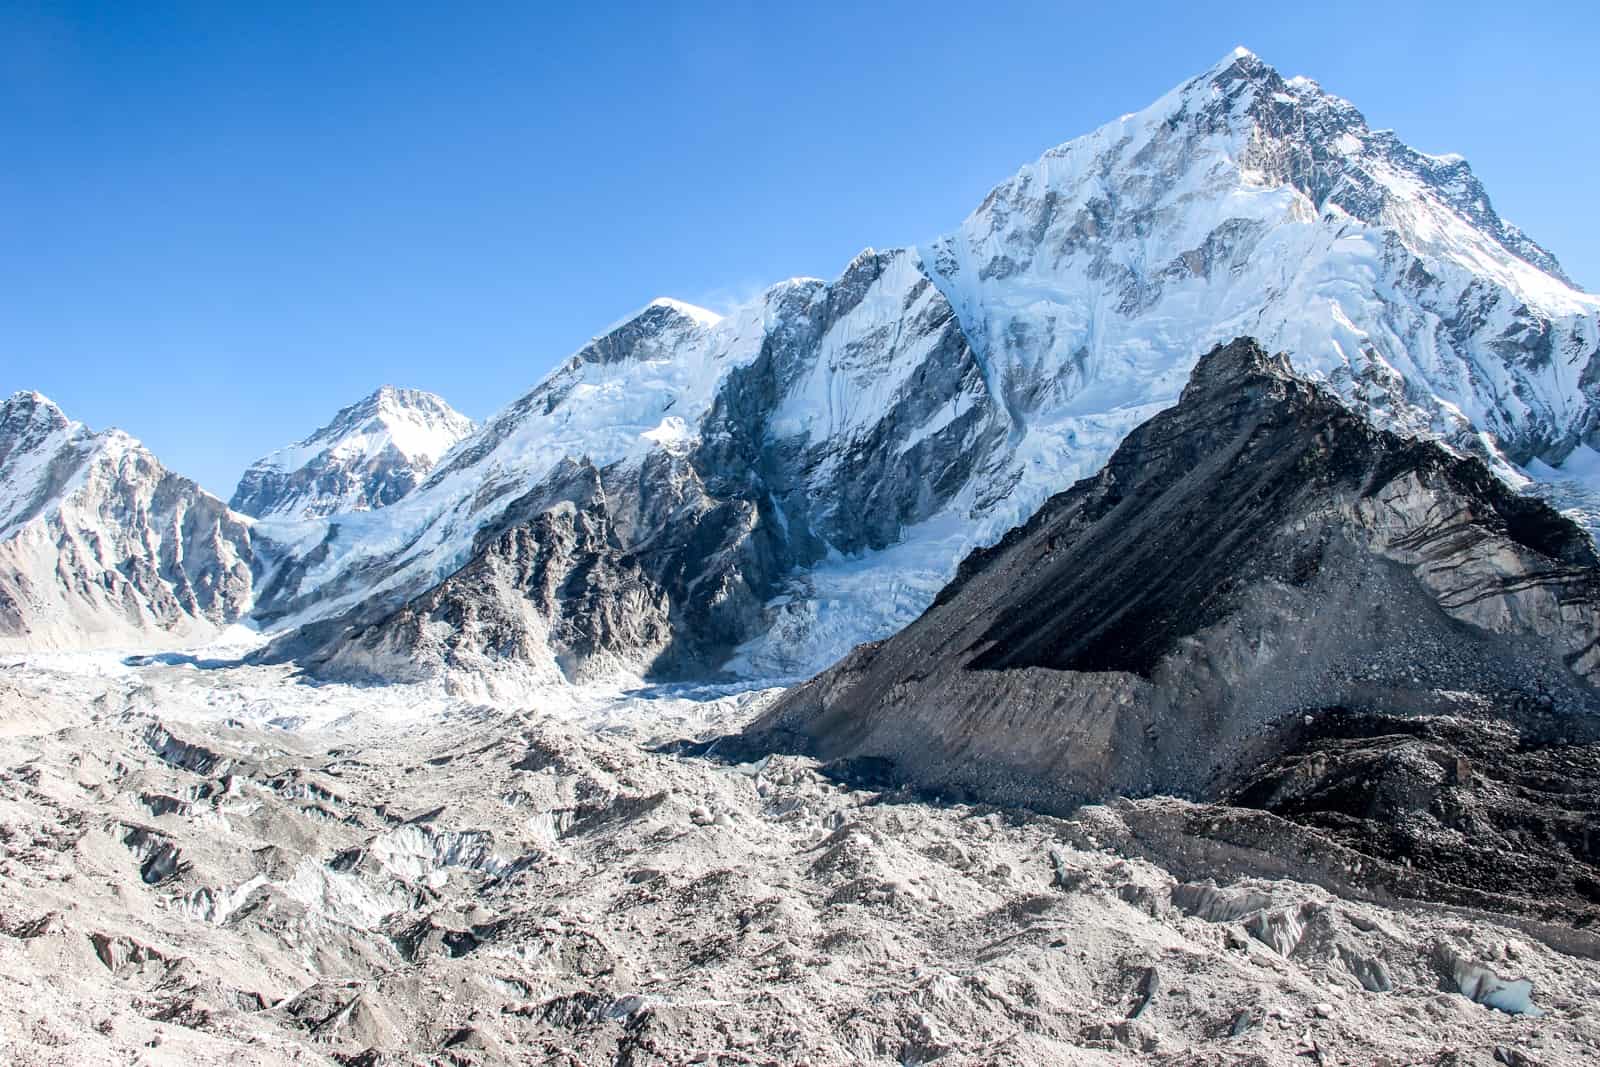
{"x":101,"y":545}
{"x":373,"y":453}
{"x":1247,"y":562}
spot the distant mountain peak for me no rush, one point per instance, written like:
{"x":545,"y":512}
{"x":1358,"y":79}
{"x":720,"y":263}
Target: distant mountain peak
{"x":369,"y":455}
{"x":25,"y":405}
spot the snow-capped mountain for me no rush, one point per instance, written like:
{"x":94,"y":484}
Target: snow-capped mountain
{"x":373,"y":452}
{"x":770,"y":487}
{"x":1257,"y":552}
{"x":806,"y":472}
{"x":1244,"y":203}
{"x":100,"y":544}
{"x":707,"y":476}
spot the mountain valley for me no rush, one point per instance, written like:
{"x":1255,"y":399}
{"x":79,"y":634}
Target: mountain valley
{"x":1157,"y":621}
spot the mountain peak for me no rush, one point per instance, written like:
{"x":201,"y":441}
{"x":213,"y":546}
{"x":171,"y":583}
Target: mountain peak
{"x":662,"y":312}
{"x":27,"y":404}
{"x":658,"y":324}
{"x":1228,"y":366}
{"x":370,"y":454}
{"x":702,"y":316}
{"x":1239,"y":62}
{"x":31,"y":428}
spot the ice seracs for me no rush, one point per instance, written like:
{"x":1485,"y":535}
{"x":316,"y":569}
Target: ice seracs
{"x":371,"y":454}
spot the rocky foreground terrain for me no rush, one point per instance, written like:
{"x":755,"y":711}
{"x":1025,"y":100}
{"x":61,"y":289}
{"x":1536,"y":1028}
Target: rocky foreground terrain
{"x":209,"y":864}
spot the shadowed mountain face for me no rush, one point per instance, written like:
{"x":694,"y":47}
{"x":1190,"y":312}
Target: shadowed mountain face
{"x":1247,"y":559}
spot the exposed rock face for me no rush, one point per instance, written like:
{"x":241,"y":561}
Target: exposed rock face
{"x":371,"y":454}
{"x":850,"y":442}
{"x":550,"y":595}
{"x":1477,"y":808}
{"x":1255,"y":556}
{"x":101,"y":545}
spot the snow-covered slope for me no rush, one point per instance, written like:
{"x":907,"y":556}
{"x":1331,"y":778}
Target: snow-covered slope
{"x":852,"y":441}
{"x":100,"y":544}
{"x":371,"y":454}
{"x":728,"y":454}
{"x":1246,"y":204}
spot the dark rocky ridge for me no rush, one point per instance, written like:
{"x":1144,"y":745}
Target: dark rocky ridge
{"x":549,"y":579}
{"x":1263,"y":601}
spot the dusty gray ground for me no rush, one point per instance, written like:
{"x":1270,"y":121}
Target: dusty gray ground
{"x":398,"y":879}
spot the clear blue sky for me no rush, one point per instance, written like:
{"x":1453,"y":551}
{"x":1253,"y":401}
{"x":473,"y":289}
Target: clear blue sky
{"x":221,"y":222}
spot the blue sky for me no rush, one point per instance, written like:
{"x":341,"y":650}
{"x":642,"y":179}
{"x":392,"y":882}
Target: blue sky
{"x":221,"y":222}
